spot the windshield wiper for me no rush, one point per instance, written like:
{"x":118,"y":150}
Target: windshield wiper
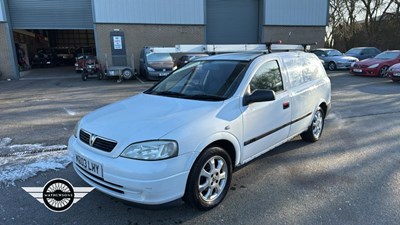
{"x":167,"y":93}
{"x":207,"y":97}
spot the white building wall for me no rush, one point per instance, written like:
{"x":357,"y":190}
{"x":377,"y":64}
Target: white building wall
{"x":149,"y":11}
{"x":296,"y":12}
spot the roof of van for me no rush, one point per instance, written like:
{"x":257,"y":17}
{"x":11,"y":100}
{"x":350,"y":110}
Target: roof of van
{"x":243,"y":56}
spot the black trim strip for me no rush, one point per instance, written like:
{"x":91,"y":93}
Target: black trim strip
{"x":275,"y":130}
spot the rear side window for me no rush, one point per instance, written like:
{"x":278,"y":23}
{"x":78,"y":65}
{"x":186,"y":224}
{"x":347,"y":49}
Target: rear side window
{"x":303,"y":69}
{"x":267,"y":77}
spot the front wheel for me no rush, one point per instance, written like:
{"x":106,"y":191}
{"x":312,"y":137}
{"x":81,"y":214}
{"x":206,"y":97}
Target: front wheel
{"x":383,"y":71}
{"x":315,"y":130}
{"x":100,"y":76}
{"x":331,"y":66}
{"x":84,"y":76}
{"x":209,"y":179}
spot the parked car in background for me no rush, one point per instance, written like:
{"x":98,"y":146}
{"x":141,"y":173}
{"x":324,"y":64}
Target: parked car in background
{"x":187,"y":58}
{"x":85,"y":50}
{"x":363,"y":52}
{"x":394,"y":72}
{"x":65,"y":56}
{"x":155,"y":66}
{"x":376,"y":66}
{"x":44,"y":57}
{"x":334,"y":59}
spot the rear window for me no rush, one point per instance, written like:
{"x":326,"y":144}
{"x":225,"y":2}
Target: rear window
{"x":159,"y":57}
{"x":354,"y":51}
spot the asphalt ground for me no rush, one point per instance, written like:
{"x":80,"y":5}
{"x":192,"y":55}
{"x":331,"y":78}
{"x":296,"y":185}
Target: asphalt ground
{"x":350,"y":176}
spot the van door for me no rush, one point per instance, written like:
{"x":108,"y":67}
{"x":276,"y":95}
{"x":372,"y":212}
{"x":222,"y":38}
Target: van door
{"x":266,"y":124}
{"x":305,"y":76}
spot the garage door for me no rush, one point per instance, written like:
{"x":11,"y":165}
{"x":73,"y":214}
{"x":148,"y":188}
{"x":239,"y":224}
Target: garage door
{"x":51,"y":14}
{"x":232,"y":21}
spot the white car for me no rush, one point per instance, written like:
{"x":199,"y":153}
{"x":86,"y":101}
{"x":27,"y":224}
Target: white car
{"x":183,"y":137}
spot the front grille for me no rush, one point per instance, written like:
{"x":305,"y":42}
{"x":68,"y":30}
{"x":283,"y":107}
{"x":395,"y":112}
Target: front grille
{"x":84,"y":136}
{"x":360,"y":66}
{"x":99,"y":142}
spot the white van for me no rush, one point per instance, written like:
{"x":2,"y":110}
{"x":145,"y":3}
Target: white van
{"x":183,"y":137}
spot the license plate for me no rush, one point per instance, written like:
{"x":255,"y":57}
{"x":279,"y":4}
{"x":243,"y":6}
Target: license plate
{"x":111,"y":72}
{"x":89,"y":166}
{"x":396,"y":74}
{"x":163,"y":74}
{"x":357,"y":70}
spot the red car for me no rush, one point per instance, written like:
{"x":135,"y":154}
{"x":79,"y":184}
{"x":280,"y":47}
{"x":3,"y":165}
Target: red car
{"x":394,"y":72}
{"x":376,"y":66}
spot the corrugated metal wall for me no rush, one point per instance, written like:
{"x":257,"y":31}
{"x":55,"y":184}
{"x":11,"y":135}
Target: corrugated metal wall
{"x":2,"y":11}
{"x":149,"y":11}
{"x":51,"y":14}
{"x":296,"y":12}
{"x":232,"y":22}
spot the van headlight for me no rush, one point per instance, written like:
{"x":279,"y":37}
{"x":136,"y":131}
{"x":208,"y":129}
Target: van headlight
{"x":151,"y":150}
{"x":373,"y":66}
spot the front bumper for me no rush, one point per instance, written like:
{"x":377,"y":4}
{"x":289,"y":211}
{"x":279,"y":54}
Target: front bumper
{"x":365,"y":71}
{"x":345,"y":65}
{"x":394,"y":75}
{"x":143,"y":182}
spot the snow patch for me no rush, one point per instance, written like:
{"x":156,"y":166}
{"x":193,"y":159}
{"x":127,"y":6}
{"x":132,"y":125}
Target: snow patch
{"x":5,"y":141}
{"x":26,"y":160}
{"x":70,"y":112}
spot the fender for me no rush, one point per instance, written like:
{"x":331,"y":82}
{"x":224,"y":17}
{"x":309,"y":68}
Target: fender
{"x":211,"y":139}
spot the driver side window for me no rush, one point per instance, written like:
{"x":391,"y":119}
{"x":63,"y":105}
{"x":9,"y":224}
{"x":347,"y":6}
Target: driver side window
{"x":267,"y":77}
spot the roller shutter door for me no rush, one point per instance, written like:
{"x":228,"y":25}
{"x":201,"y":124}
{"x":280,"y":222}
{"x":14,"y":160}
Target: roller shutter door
{"x":232,"y":21}
{"x":51,"y":14}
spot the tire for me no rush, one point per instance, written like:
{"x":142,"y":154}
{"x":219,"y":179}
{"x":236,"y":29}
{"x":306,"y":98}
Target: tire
{"x":205,"y":175}
{"x":313,"y":133}
{"x":331,"y":66}
{"x":382,"y":71}
{"x":84,"y":76}
{"x":127,"y":74}
{"x":100,"y":76}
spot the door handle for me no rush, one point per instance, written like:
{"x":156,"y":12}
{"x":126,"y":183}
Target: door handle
{"x":286,"y":105}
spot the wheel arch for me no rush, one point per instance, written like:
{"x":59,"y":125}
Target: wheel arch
{"x":224,"y":140}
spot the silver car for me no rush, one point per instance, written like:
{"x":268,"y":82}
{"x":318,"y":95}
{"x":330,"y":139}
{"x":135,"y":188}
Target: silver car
{"x":334,"y":59}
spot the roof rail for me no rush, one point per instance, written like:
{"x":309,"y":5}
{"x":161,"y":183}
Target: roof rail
{"x":268,"y":47}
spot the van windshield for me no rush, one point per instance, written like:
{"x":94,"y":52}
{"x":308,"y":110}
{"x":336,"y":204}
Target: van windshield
{"x":159,"y":57}
{"x":202,"y":80}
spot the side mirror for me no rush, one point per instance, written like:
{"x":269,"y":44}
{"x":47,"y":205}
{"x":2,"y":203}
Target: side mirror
{"x":259,"y":96}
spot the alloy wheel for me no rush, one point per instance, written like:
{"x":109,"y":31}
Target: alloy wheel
{"x":213,"y":178}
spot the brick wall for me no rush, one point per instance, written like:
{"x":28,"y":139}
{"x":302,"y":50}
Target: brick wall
{"x":298,"y":34}
{"x":138,"y":36}
{"x":6,"y":70}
